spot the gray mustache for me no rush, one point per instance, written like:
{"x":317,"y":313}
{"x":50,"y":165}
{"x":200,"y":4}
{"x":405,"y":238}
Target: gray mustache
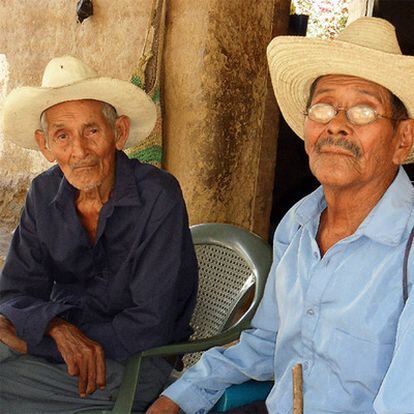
{"x":341,"y":143}
{"x":85,"y":163}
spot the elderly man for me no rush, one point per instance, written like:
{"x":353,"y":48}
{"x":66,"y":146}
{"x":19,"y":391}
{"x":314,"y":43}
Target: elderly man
{"x":334,"y":297}
{"x":102,"y":263}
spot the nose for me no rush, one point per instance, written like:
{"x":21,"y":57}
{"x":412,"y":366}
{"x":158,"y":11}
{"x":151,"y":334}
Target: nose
{"x":79,"y":147}
{"x":339,"y":125}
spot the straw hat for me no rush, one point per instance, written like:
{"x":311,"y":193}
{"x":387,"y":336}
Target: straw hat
{"x":67,"y":78}
{"x":367,"y":48}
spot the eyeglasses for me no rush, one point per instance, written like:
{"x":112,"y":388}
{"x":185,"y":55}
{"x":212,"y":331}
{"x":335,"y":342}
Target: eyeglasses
{"x":356,"y":115}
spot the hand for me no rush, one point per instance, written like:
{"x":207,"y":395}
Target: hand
{"x":85,"y":358}
{"x":8,"y":336}
{"x":163,"y":405}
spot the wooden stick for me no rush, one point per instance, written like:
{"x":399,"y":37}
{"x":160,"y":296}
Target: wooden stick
{"x":297,"y":389}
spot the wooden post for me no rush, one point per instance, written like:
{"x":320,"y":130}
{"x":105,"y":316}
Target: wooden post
{"x":297,"y":389}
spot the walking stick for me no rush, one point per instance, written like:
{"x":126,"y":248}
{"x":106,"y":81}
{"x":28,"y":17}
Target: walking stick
{"x":297,"y":389}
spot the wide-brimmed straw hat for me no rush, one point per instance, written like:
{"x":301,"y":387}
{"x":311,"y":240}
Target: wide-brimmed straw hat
{"x":67,"y":78}
{"x":367,"y":48}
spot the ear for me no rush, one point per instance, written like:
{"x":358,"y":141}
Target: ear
{"x":405,"y":140}
{"x":122,"y":126}
{"x":41,"y":143}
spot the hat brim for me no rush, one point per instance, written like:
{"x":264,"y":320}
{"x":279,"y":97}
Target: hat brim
{"x":295,"y":62}
{"x":23,"y":107}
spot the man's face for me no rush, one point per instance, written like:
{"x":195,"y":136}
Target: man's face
{"x":342,"y":154}
{"x":82,"y":142}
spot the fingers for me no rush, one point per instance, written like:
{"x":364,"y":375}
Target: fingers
{"x":92,"y":373}
{"x":100,"y":369}
{"x":83,"y":379}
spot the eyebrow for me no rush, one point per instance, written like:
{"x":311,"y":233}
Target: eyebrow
{"x":59,"y":126}
{"x":360,"y":90}
{"x":90,"y":124}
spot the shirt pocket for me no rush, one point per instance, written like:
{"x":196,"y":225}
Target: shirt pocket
{"x":358,"y":363}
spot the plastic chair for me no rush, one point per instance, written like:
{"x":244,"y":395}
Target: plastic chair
{"x":232,"y":261}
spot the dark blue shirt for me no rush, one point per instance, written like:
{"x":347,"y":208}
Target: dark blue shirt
{"x":134,"y":289}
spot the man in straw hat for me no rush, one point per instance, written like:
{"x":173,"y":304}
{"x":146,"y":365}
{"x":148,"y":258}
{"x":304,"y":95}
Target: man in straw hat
{"x":334,"y":296}
{"x":102,"y":263}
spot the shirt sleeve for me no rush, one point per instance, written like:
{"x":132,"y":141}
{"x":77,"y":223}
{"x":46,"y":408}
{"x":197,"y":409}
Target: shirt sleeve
{"x":163,"y":287}
{"x":25,"y":285}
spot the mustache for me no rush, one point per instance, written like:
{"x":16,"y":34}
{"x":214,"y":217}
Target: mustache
{"x":89,"y":162}
{"x":340,"y":143}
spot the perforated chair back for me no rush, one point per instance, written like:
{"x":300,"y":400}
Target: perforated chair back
{"x":228,"y":269}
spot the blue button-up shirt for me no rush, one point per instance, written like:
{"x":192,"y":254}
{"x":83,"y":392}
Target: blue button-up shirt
{"x":135,"y":288}
{"x":338,"y":315}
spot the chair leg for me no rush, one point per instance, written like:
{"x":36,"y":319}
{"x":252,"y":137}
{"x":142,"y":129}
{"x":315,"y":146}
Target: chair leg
{"x":126,"y":395}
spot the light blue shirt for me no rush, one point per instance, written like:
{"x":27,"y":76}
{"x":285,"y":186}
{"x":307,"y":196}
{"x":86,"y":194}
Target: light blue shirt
{"x":338,"y":315}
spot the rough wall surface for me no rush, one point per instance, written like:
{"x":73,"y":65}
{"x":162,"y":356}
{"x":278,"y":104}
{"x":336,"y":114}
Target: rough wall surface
{"x":216,"y":83}
{"x":34,"y":31}
{"x":217,"y":93}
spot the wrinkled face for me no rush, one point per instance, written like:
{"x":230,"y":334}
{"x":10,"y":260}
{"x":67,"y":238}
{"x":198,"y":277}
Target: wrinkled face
{"x":342,"y":154}
{"x":82,"y":141}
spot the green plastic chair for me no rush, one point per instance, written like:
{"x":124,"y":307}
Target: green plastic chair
{"x":232,"y":261}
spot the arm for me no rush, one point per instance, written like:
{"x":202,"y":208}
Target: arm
{"x":28,"y":323}
{"x":25,"y":283}
{"x":395,"y":395}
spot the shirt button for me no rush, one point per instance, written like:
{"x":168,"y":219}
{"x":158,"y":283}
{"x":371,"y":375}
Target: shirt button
{"x":305,"y":365}
{"x":310,"y":312}
{"x":315,"y":255}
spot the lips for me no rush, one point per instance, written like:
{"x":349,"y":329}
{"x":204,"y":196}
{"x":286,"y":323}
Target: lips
{"x":84,"y":166}
{"x":335,"y":150}
{"x":338,"y":146}
{"x":80,"y":167}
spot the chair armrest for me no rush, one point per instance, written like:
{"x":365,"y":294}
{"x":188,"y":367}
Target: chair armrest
{"x":125,"y":399}
{"x":242,"y":394}
{"x":198,"y":345}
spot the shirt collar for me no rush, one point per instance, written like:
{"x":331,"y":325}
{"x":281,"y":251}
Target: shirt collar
{"x":387,"y":221}
{"x":125,"y":192}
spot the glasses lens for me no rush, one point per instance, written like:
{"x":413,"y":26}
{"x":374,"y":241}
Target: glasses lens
{"x":361,"y":114}
{"x":321,"y":112}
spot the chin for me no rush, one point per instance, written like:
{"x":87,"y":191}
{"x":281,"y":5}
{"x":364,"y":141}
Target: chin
{"x":85,"y":185}
{"x":85,"y":180}
{"x":335,"y":176}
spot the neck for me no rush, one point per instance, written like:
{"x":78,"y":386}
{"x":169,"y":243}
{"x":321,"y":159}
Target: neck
{"x":346,"y":209}
{"x":89,"y":204}
{"x":99,"y":193}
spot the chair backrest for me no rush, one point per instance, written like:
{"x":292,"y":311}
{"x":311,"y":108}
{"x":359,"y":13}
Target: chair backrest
{"x":232,"y":261}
